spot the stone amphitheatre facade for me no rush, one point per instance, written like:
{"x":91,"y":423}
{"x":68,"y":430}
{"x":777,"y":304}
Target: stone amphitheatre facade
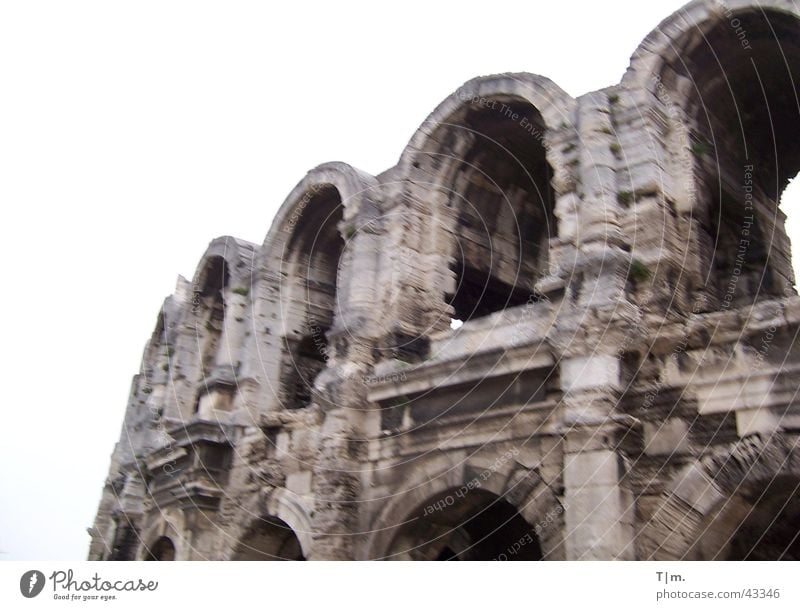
{"x":558,"y":328}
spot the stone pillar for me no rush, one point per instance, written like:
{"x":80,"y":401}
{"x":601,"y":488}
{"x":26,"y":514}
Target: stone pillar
{"x":341,"y":396}
{"x":599,"y":512}
{"x":233,"y":327}
{"x":600,"y":212}
{"x":336,"y":491}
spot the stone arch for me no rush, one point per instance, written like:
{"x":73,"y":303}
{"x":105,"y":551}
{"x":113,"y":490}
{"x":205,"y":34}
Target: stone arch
{"x":237,"y":254}
{"x":168,"y":527}
{"x":218,"y":303}
{"x":459,"y":525}
{"x":556,"y":106}
{"x":522,"y":489}
{"x":279,"y":508}
{"x":357,"y":190}
{"x":481,"y":177}
{"x":268,"y":538}
{"x":291,"y":509}
{"x":668,"y":40}
{"x":162,"y":549}
{"x":309,"y":254}
{"x":729,"y":504}
{"x":726,"y":76}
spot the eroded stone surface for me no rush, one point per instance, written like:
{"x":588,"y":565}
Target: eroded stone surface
{"x":558,"y":328}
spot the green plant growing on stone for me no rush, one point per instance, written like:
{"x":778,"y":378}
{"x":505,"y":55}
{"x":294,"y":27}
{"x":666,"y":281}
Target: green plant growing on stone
{"x":699,"y":149}
{"x":241,"y":291}
{"x":625,"y":197}
{"x":404,"y":359}
{"x":638,"y":271}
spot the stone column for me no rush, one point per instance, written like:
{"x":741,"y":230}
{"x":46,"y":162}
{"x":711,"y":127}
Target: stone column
{"x":232,"y":335}
{"x":341,"y":396}
{"x":336,"y":488}
{"x":599,"y":512}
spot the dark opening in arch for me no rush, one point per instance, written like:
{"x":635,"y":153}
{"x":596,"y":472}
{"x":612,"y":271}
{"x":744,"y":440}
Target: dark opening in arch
{"x":269,"y":539}
{"x":162,"y":550}
{"x":311,"y":264}
{"x":743,"y":113}
{"x":500,"y":203}
{"x":473,"y":526}
{"x":760,"y":522}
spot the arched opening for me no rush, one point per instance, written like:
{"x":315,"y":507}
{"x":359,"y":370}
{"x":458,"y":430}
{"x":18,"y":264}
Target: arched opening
{"x":743,"y":113}
{"x":466,"y":525}
{"x":495,"y":179}
{"x":310,"y":266}
{"x":269,"y":539}
{"x":162,"y":550}
{"x":759,"y":523}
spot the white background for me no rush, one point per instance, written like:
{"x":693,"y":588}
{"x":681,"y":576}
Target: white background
{"x":131,"y":134}
{"x":404,"y":585}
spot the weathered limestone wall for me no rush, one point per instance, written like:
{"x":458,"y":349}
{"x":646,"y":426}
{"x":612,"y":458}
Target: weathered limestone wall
{"x":621,"y":386}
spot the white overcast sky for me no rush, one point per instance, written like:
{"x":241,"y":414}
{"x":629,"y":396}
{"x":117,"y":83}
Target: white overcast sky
{"x":131,"y":134}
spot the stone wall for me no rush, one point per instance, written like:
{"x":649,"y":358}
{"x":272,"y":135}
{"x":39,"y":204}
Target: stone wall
{"x":557,"y":329}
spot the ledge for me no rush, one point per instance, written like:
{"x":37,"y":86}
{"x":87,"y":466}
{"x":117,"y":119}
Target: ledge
{"x":197,"y":429}
{"x":481,"y":365}
{"x":309,"y":416}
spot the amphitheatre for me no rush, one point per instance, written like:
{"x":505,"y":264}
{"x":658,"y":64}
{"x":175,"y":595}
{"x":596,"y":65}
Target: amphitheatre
{"x":558,"y":328}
